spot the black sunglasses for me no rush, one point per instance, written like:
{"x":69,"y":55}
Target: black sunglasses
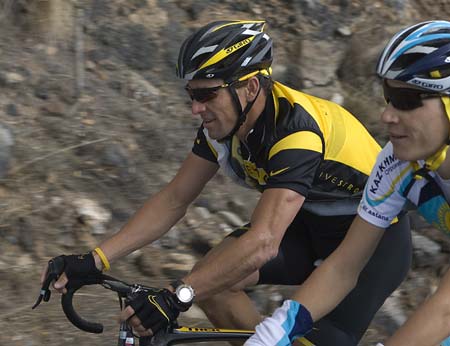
{"x":406,"y":99}
{"x":203,"y":95}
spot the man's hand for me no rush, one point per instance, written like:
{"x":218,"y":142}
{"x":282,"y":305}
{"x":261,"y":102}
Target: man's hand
{"x":77,"y":268}
{"x":151,"y":310}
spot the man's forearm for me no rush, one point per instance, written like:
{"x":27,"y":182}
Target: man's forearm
{"x":149,"y":223}
{"x":237,"y":260}
{"x":225,"y":268}
{"x":316,"y":293}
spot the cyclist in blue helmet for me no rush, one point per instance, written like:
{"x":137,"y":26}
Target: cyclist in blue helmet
{"x":414,"y":166}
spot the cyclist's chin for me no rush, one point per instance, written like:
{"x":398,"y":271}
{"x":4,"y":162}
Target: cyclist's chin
{"x":410,"y":153}
{"x":217,"y":134}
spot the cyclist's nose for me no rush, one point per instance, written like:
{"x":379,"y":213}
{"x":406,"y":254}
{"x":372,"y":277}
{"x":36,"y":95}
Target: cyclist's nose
{"x":389,"y":115}
{"x":197,"y":107}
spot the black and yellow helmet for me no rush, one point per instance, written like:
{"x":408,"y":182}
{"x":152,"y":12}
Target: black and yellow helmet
{"x":228,"y":50}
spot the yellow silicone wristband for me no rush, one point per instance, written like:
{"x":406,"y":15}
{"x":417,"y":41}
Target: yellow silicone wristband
{"x":103,"y":258}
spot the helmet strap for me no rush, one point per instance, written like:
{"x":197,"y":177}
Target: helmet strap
{"x":431,"y":164}
{"x":446,"y":101}
{"x":242,"y":113}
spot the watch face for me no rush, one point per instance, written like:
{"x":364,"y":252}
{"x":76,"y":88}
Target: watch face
{"x":185,"y":293}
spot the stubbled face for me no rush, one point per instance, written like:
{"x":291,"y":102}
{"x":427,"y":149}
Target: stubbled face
{"x":218,"y":114}
{"x":418,"y":133}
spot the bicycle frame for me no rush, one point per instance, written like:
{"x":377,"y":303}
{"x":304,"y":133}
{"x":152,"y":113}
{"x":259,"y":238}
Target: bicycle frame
{"x":193,"y":334}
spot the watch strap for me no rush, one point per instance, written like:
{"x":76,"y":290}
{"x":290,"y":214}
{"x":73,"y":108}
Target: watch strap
{"x":176,"y":283}
{"x":182,"y":306}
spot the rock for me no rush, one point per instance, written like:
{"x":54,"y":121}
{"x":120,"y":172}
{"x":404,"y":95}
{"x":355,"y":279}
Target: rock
{"x":203,"y":203}
{"x":237,"y":206}
{"x":231,"y":218}
{"x":132,"y":43}
{"x":344,"y":31}
{"x":6,"y":142}
{"x":11,"y":109}
{"x":118,"y":157}
{"x":202,"y":240}
{"x":92,"y":214}
{"x":108,"y":64}
{"x":426,"y":252}
{"x":99,"y":9}
{"x":115,"y":85}
{"x":148,"y":261}
{"x":279,"y":71}
{"x":41,"y":91}
{"x":97,"y":55}
{"x":177,"y":264}
{"x":316,"y":66}
{"x":416,"y":288}
{"x":142,"y":90}
{"x":203,"y":212}
{"x":4,"y":266}
{"x":171,"y":239}
{"x":308,"y":84}
{"x":394,"y":314}
{"x":51,"y":51}
{"x":25,"y":234}
{"x":398,"y":5}
{"x":90,"y":65}
{"x":338,"y":98}
{"x":225,"y":228}
{"x":13,"y":78}
{"x":24,"y":261}
{"x":54,"y":108}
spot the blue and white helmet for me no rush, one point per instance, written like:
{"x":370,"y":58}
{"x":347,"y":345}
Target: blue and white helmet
{"x":419,"y":55}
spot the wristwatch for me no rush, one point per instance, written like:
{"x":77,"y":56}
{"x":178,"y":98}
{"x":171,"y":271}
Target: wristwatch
{"x":185,"y":293}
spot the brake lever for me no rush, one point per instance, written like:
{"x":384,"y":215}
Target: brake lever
{"x":55,"y":269}
{"x":122,"y":288}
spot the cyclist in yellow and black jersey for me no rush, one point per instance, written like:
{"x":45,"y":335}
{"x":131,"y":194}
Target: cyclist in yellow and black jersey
{"x":309,"y":158}
{"x":302,"y":143}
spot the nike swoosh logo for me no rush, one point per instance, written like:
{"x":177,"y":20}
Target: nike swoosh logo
{"x":272,"y":173}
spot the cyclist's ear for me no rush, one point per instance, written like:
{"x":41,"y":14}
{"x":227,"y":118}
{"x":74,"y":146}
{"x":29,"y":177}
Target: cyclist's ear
{"x":252,"y":88}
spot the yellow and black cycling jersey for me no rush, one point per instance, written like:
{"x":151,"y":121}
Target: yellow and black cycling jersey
{"x":303,"y":143}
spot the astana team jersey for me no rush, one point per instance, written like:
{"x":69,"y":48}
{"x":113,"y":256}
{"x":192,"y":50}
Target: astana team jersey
{"x":302,"y":143}
{"x":391,"y":184}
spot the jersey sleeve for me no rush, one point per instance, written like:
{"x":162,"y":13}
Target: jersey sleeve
{"x":382,"y":201}
{"x":203,"y":148}
{"x":293,"y":162}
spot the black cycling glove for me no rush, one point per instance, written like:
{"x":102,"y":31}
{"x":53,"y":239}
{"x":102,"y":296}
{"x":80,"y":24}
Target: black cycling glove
{"x":156,"y":308}
{"x":81,"y":270}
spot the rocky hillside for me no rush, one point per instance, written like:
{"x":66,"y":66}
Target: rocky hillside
{"x":93,"y":121}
